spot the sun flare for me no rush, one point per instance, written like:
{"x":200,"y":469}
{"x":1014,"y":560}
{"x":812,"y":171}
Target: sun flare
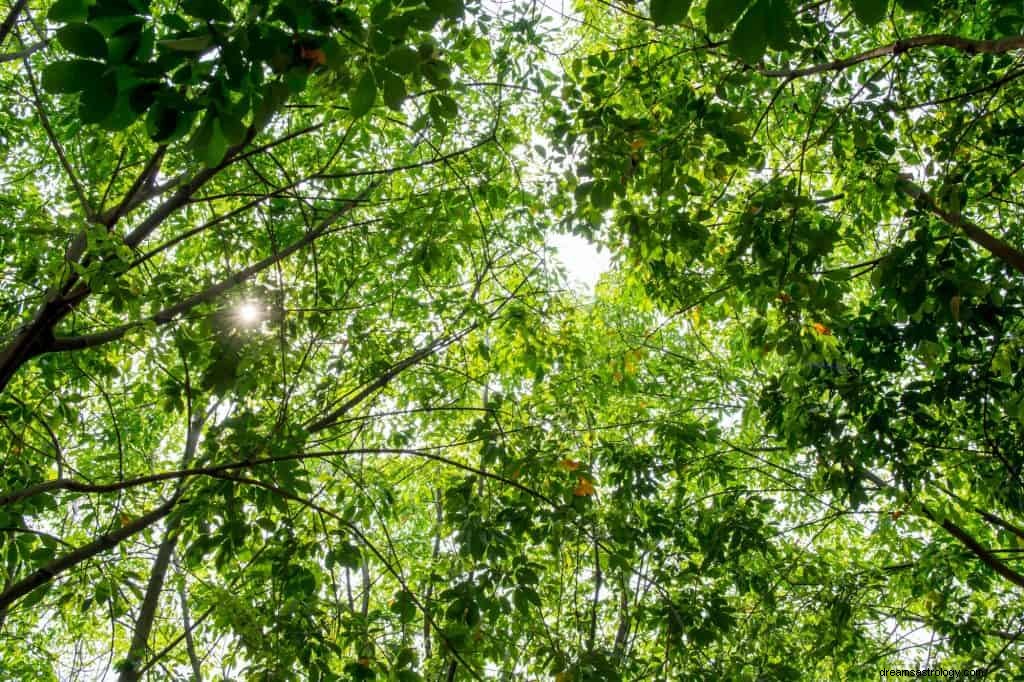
{"x":249,"y":314}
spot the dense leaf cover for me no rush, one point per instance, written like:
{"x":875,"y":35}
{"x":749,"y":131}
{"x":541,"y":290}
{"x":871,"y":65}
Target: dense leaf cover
{"x":291,"y":389}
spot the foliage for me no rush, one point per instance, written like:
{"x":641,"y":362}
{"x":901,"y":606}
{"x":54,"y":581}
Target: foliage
{"x":289,"y":388}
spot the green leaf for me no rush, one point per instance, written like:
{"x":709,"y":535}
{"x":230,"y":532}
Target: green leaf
{"x":272,"y":98}
{"x":346,"y":554}
{"x":164,"y":123}
{"x":83,"y":40}
{"x":234,"y":130}
{"x":394,"y":91}
{"x":98,"y":99}
{"x":67,"y":11}
{"x":749,"y":39}
{"x":192,"y":44}
{"x":779,"y":23}
{"x":403,"y":60}
{"x":72,"y":76}
{"x":669,"y":12}
{"x":451,"y":9}
{"x":438,"y":73}
{"x":404,"y":606}
{"x":443,"y":106}
{"x":721,"y":14}
{"x":601,"y":196}
{"x":217,"y":146}
{"x":870,"y":11}
{"x":209,"y":144}
{"x":211,"y":10}
{"x":363,"y":96}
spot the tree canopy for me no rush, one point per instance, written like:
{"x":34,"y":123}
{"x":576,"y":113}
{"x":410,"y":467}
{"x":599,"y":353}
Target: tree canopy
{"x":293,"y":386}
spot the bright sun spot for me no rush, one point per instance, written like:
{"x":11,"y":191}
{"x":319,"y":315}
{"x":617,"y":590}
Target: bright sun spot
{"x":249,"y":314}
{"x":584,"y":262}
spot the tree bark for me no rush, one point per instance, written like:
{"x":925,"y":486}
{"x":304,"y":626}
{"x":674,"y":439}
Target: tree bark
{"x":11,"y":19}
{"x":186,"y":622}
{"x":151,"y":600}
{"x":994,"y":245}
{"x":966,"y":45}
{"x":101,"y":544}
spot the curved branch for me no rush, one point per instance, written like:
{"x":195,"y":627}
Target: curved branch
{"x":101,"y":544}
{"x":984,"y":555}
{"x":11,"y":19}
{"x":219,"y":469}
{"x":168,"y":314}
{"x":967,"y":45}
{"x":994,"y":245}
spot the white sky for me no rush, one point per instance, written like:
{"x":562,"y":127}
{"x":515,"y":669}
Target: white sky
{"x":584,"y":263}
{"x":582,"y":260}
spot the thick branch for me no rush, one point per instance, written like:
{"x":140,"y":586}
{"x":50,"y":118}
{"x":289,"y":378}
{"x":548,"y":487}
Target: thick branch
{"x":35,"y":337}
{"x":101,"y":544}
{"x":11,"y":19}
{"x":212,"y":292}
{"x":137,"y":193}
{"x":218,"y":469}
{"x":986,"y":557}
{"x":23,"y":53}
{"x":157,"y":576}
{"x":1002,"y":523}
{"x":967,"y":45}
{"x":994,"y":245}
{"x":979,"y":551}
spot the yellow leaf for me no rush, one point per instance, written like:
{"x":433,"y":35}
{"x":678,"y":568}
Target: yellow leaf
{"x":954,"y":307}
{"x":822,"y":329}
{"x":569,"y":464}
{"x":313,"y":57}
{"x":583,"y":488}
{"x":638,"y":144}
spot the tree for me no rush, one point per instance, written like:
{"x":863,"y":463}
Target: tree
{"x":290,"y":390}
{"x":832,"y":186}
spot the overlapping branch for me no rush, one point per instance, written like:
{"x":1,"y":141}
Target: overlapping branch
{"x":966,"y":45}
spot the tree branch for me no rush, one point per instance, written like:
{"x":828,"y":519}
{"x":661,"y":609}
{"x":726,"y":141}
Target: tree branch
{"x":385,"y":378}
{"x":994,"y":245}
{"x":11,"y":18}
{"x":101,"y":544}
{"x":158,"y":574}
{"x":967,"y":45}
{"x":986,"y":557}
{"x":218,"y":469}
{"x":25,"y":52}
{"x":168,"y":314}
{"x":55,"y":143}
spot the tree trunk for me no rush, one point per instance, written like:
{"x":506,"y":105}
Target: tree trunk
{"x":151,"y":600}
